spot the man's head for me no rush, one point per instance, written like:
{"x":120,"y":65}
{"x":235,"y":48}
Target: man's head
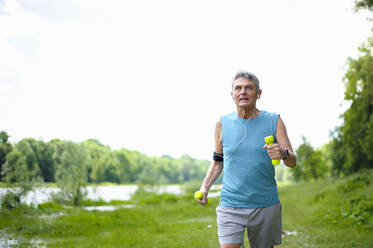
{"x":245,"y":89}
{"x":248,"y":76}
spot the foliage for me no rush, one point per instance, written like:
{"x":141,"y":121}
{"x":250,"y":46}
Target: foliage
{"x":50,"y":205}
{"x":363,"y":4}
{"x":10,"y":199}
{"x":71,"y":174}
{"x":336,"y":153}
{"x":38,"y":155}
{"x":311,"y":164}
{"x":352,"y":143}
{"x":5,"y":148}
{"x":350,"y":202}
{"x":143,"y":197}
{"x":20,"y":176}
{"x":102,"y":164}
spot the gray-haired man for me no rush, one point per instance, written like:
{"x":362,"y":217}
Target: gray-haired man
{"x":249,"y":197}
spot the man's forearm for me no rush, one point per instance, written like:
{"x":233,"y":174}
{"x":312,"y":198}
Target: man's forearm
{"x":291,"y":161}
{"x":212,"y":174}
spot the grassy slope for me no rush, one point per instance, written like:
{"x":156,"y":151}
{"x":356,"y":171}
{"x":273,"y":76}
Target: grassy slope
{"x":329,"y":213}
{"x":324,"y":214}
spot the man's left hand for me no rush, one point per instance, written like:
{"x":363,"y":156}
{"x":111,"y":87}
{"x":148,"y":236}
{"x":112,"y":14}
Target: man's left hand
{"x":275,"y":151}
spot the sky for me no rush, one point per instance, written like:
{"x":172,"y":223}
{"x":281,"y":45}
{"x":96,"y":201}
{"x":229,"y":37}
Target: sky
{"x":155,"y":76}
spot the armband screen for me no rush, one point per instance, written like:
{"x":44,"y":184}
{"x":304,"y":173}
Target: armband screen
{"x":218,"y":157}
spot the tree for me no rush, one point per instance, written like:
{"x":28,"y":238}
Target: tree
{"x":71,"y":173}
{"x":356,"y":133}
{"x":106,"y":169}
{"x":19,"y":178}
{"x":44,"y":157}
{"x":27,"y":148}
{"x":363,"y":4}
{"x":5,"y":148}
{"x":352,"y":142}
{"x":311,"y":163}
{"x":41,"y":154}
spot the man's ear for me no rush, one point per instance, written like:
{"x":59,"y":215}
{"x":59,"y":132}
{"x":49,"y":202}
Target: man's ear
{"x":259,"y":93}
{"x":232,"y":96}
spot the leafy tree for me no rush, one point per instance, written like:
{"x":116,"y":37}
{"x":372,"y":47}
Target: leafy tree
{"x":363,"y":4}
{"x":71,"y":173}
{"x":19,"y":178}
{"x":352,"y":142}
{"x":106,"y":169}
{"x":95,"y":151}
{"x":336,"y":153}
{"x":39,"y":154}
{"x":27,"y":148}
{"x":312,"y":164}
{"x":138,"y":162}
{"x":170,"y":168}
{"x":192,"y":168}
{"x":150,"y":176}
{"x":354,"y":137}
{"x":124,"y":166}
{"x":5,"y":148}
{"x":44,"y":157}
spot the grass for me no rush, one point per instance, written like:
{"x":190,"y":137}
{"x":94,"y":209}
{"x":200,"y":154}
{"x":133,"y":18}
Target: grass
{"x":159,"y":224}
{"x":323,"y":213}
{"x":329,"y":213}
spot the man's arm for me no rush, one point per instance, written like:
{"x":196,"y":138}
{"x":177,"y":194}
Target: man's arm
{"x":215,"y":168}
{"x":277,"y":151}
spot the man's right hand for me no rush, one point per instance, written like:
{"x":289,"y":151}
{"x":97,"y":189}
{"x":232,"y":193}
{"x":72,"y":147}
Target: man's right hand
{"x":204,"y":199}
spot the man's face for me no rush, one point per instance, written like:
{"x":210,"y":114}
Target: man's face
{"x":244,"y":93}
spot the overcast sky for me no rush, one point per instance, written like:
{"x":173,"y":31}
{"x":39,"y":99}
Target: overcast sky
{"x":155,"y":76}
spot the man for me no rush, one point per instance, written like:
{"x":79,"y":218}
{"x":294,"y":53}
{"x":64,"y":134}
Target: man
{"x":249,"y":197}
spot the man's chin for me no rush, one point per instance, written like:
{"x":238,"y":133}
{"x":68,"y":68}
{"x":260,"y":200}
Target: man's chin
{"x":243,"y":104}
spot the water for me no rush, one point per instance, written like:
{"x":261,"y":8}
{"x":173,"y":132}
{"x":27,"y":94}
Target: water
{"x":108,"y":208}
{"x":10,"y":240}
{"x":106,"y":193}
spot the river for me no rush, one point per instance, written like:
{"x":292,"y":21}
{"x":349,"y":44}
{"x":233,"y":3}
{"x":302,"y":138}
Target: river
{"x":106,"y":193}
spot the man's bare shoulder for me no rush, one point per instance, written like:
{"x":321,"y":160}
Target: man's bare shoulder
{"x":218,"y":137}
{"x":218,"y":124}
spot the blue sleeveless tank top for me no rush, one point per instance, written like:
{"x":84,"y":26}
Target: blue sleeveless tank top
{"x":249,"y":176}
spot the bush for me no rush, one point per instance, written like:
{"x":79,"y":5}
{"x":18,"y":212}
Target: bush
{"x":50,"y":205}
{"x":354,"y":184}
{"x":350,"y":203}
{"x":143,"y":197}
{"x":10,"y":200}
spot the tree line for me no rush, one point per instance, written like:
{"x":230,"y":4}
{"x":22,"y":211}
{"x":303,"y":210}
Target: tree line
{"x":30,"y":162}
{"x":94,"y":161}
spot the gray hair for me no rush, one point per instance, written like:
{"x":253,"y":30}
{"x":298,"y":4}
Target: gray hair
{"x":247,"y":75}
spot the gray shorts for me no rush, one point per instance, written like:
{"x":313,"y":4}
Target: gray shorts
{"x":263,"y":225}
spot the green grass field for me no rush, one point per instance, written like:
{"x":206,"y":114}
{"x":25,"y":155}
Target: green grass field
{"x":330,"y":213}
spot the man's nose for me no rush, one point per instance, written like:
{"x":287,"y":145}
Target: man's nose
{"x":243,"y":91}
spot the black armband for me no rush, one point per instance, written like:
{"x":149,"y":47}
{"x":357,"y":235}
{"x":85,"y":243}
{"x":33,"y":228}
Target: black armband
{"x":218,"y":157}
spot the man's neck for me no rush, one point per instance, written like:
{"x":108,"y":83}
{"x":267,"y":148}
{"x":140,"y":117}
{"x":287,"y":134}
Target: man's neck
{"x":248,"y":113}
